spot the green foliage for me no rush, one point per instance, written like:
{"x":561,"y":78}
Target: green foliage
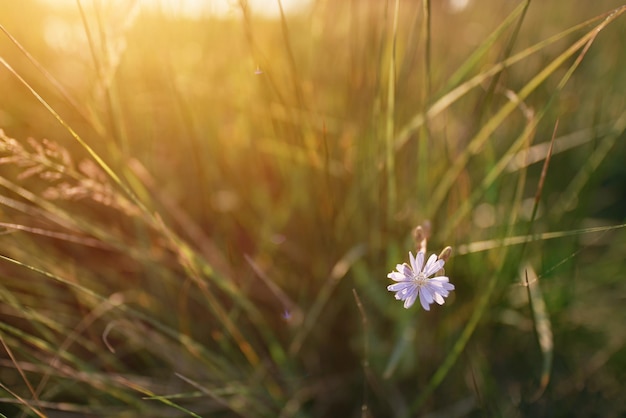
{"x":198,"y":215}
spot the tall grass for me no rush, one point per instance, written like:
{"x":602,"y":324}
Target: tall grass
{"x":198,"y":216}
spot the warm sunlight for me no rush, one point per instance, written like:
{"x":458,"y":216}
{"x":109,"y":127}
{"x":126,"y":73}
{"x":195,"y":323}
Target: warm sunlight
{"x":201,"y":8}
{"x":312,"y":208}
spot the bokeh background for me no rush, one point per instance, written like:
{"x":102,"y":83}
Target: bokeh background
{"x":217,"y":240}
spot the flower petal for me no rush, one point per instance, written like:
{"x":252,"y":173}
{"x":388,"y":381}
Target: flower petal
{"x":428,"y":294}
{"x":406,"y":270}
{"x":441,"y":284}
{"x":398,"y":287}
{"x":424,"y":301}
{"x":410,"y":300}
{"x":398,"y":277}
{"x":417,"y":262}
{"x":433,"y":265}
{"x":438,"y":298}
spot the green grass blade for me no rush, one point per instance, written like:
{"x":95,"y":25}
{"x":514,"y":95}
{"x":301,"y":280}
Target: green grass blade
{"x":474,"y":59}
{"x":543,"y":326}
{"x":444,"y":102}
{"x":496,"y":120}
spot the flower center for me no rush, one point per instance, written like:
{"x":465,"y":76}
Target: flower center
{"x":420,"y":278}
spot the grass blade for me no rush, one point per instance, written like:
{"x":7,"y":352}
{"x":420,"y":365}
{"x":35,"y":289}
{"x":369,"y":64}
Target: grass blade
{"x":543,"y":327}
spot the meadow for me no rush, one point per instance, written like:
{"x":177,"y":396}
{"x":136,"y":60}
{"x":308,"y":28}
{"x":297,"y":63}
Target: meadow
{"x":198,"y":216}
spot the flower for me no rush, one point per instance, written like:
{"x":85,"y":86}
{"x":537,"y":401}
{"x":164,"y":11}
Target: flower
{"x":414,"y":281}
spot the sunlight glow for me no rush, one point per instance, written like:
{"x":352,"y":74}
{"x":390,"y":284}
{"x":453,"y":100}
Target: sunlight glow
{"x":203,"y":8}
{"x":457,"y":6}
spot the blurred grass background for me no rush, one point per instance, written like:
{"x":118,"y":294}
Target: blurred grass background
{"x":193,"y":244}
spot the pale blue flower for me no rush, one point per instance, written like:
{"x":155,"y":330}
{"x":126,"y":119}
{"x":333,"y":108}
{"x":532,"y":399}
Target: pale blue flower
{"x":415,"y":280}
